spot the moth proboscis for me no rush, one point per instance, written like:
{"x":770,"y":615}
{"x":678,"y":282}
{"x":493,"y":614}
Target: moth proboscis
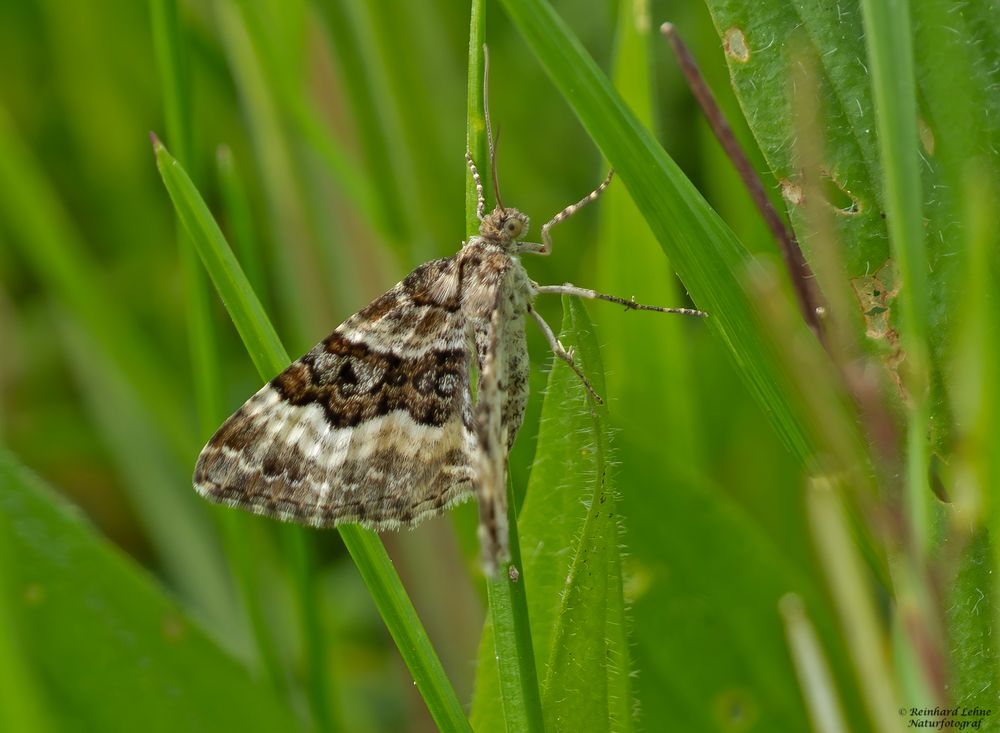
{"x":376,"y":424}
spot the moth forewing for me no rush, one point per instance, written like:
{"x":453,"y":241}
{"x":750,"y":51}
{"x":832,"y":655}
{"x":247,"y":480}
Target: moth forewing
{"x":372,"y":426}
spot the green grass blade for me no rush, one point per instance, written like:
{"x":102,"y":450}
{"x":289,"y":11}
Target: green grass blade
{"x":811,"y":665}
{"x":175,"y":80}
{"x":890,"y":56}
{"x":286,"y":82}
{"x":510,"y":647}
{"x":299,"y":550}
{"x":889,"y":41}
{"x":587,"y":676}
{"x":400,"y":618}
{"x":147,"y":664}
{"x":396,"y":34}
{"x":263,"y":345}
{"x":709,"y":259}
{"x":300,"y":293}
{"x":270,"y":357}
{"x":475,"y":125}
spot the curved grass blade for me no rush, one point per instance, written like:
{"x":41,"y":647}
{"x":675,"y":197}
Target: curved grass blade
{"x":269,"y":356}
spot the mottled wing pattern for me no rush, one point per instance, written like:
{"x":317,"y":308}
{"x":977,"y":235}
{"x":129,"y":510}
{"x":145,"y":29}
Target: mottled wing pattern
{"x":491,"y":458}
{"x":374,"y":425}
{"x":497,"y":311}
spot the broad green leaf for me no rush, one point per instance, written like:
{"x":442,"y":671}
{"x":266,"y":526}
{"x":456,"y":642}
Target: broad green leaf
{"x":972,"y":610}
{"x":568,"y":531}
{"x":758,"y":40}
{"x":580,"y":610}
{"x":971,"y":613}
{"x":956,"y":49}
{"x":157,"y":482}
{"x":116,"y":651}
{"x":23,"y":708}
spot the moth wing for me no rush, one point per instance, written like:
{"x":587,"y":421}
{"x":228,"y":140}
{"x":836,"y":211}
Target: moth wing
{"x":373,"y":425}
{"x":491,"y":456}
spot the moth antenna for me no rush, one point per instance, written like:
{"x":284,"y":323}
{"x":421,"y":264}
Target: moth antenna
{"x":489,"y":126}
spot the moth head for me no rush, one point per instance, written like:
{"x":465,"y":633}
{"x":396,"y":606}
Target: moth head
{"x":504,"y":226}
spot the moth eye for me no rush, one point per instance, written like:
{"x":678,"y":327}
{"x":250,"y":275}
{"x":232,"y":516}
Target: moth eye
{"x":512,"y":227}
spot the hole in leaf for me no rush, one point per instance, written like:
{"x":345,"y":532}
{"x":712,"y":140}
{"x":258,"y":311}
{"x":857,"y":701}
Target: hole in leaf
{"x":842,"y":201}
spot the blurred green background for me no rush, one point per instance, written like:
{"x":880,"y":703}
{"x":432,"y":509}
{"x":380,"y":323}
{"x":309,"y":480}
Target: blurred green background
{"x":328,"y":139}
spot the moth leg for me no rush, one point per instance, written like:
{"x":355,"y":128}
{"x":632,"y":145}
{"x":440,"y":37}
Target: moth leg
{"x":630,"y":304}
{"x":480,"y":196}
{"x":569,"y":211}
{"x":567,"y":356}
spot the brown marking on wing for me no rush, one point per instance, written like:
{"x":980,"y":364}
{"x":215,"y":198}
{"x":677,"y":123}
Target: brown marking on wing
{"x":352,"y":383}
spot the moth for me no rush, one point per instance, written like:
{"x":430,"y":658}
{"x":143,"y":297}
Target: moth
{"x":376,"y":424}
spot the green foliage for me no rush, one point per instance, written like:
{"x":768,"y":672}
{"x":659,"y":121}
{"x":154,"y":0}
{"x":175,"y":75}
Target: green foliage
{"x":737,"y":468}
{"x":574,"y":592}
{"x":143,"y":662}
